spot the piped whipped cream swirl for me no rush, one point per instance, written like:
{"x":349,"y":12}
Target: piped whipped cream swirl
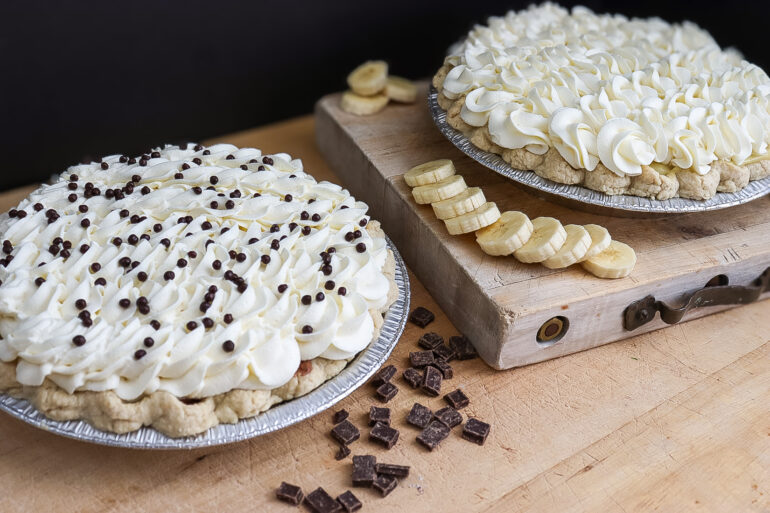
{"x":193,"y":270}
{"x":605,"y":88}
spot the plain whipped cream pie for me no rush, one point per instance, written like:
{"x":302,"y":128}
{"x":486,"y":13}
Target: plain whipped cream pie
{"x":185,"y":287}
{"x":622,"y":106}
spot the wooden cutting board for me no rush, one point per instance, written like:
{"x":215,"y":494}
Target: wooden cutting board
{"x":500,"y":303}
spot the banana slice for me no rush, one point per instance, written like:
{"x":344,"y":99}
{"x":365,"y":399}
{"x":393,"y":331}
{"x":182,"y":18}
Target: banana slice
{"x":547,"y":238}
{"x":573,"y":250}
{"x":400,"y":89}
{"x":470,"y":199}
{"x":369,"y":78}
{"x":600,"y":240}
{"x":506,"y":235}
{"x":617,"y":261}
{"x":362,"y":105}
{"x":438,"y":191}
{"x":430,"y":172}
{"x":474,"y":220}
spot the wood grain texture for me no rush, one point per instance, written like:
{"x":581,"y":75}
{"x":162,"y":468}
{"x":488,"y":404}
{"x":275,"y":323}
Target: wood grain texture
{"x":504,"y":302}
{"x":675,"y":420}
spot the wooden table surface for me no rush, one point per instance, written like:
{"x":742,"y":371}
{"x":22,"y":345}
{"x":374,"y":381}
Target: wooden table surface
{"x":675,"y":420}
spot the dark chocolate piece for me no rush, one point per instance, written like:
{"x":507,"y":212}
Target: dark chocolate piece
{"x":420,"y":416}
{"x":387,"y":391}
{"x":377,"y":414}
{"x":364,"y":472}
{"x":343,"y":453}
{"x":444,"y":353}
{"x":321,"y":502}
{"x":433,"y":435}
{"x":446,"y":370}
{"x":384,"y":434}
{"x":476,"y":431}
{"x":420,"y":359}
{"x":457,"y":399}
{"x":430,"y":340}
{"x":385,"y":484}
{"x":393,"y":470}
{"x":340,"y":416}
{"x":413,"y":377}
{"x":463,"y":348}
{"x":449,"y":417}
{"x":346,"y":433}
{"x":431,"y":382}
{"x":421,"y":316}
{"x":289,"y":493}
{"x":384,"y":375}
{"x":349,"y":501}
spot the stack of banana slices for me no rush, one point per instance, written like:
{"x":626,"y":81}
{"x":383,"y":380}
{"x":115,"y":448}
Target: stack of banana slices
{"x":371,"y":89}
{"x":541,"y":240}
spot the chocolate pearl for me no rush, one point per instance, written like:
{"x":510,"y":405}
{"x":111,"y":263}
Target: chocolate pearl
{"x":66,"y":244}
{"x":282,"y":288}
{"x":124,"y":213}
{"x":305,"y":230}
{"x":134,"y":264}
{"x":204,"y":306}
{"x":79,"y":340}
{"x":145,"y":237}
{"x":181,"y":262}
{"x":117,"y":241}
{"x":326,"y":257}
{"x":131,"y":161}
{"x":257,"y":195}
{"x":142,"y":162}
{"x":244,"y":167}
{"x":342,"y":291}
{"x":235,"y":194}
{"x":362,"y":223}
{"x":306,"y":299}
{"x":288,"y":198}
{"x":80,"y":304}
{"x":228,"y":346}
{"x":141,"y":300}
{"x":199,"y":147}
{"x":306,"y":329}
{"x":84,"y":248}
{"x":83,"y":209}
{"x":169,"y":275}
{"x":229,"y":275}
{"x":95,"y":267}
{"x":140,"y":353}
{"x":274,"y":228}
{"x":133,"y":239}
{"x":320,"y":296}
{"x":101,"y":282}
{"x":105,"y":166}
{"x":261,"y":168}
{"x":192,"y":254}
{"x":213,"y":289}
{"x":329,"y":285}
{"x":149,"y":342}
{"x":72,"y":186}
{"x":211,"y":188}
{"x":216,"y":264}
{"x":180,"y":220}
{"x":72,"y":198}
{"x":360,"y":247}
{"x":208,"y":242}
{"x":165,"y":242}
{"x":357,"y":234}
{"x":205,"y":225}
{"x":58,"y":240}
{"x":274,"y":244}
{"x":265,"y":259}
{"x":232,"y":253}
{"x":343,"y":207}
{"x":241,"y":257}
{"x":207,"y":322}
{"x":228,"y":318}
{"x":224,"y":230}
{"x":185,"y":166}
{"x":143,"y":309}
{"x":53,"y":249}
{"x":21,"y":214}
{"x":141,"y":276}
{"x":65,"y":253}
{"x":267,"y":160}
{"x":242,"y":287}
{"x":137,"y":178}
{"x":209,"y":297}
{"x":326,"y":269}
{"x":87,"y":322}
{"x":253,"y":240}
{"x":155,"y":324}
{"x":229,"y":204}
{"x":192,"y":325}
{"x":178,"y":176}
{"x":123,"y":159}
{"x":145,"y":190}
{"x":157,"y":227}
{"x":119,"y":195}
{"x":253,"y":161}
{"x":124,"y":262}
{"x":230,"y":157}
{"x":197,"y":190}
{"x":312,"y":200}
{"x":73,"y":178}
{"x":349,"y":236}
{"x":214,"y":204}
{"x":315,"y":218}
{"x":124,"y":303}
{"x":292,"y":226}
{"x":214,"y":180}
{"x":188,"y":219}
{"x":155,"y":155}
{"x":135,"y":219}
{"x":292,"y":176}
{"x":84,"y":314}
{"x":38,"y":207}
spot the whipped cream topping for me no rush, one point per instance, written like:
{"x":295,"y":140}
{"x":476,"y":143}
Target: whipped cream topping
{"x":605,"y":88}
{"x":190,"y":270}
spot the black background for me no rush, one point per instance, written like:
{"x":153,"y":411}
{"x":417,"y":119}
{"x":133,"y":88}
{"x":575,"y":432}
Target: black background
{"x":83,"y":79}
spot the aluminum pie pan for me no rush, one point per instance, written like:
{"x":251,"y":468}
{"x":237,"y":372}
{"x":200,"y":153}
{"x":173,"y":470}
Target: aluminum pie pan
{"x":583,"y":197}
{"x":357,"y":372}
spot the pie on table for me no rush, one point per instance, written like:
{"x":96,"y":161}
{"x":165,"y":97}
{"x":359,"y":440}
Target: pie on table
{"x":621,"y":106}
{"x":184,"y":288}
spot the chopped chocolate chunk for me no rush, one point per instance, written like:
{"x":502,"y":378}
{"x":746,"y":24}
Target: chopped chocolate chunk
{"x":384,"y":434}
{"x":387,"y":391}
{"x":419,"y":416}
{"x":392,"y":470}
{"x":444,"y":368}
{"x":364,"y":471}
{"x":343,"y":453}
{"x":444,"y":353}
{"x":420,"y":359}
{"x":413,"y":377}
{"x":457,"y":399}
{"x":433,"y":435}
{"x":349,"y":501}
{"x":431,"y":381}
{"x":421,"y":316}
{"x":463,"y":348}
{"x":430,"y":340}
{"x":384,"y":375}
{"x":289,"y":493}
{"x":346,"y":433}
{"x":377,"y":414}
{"x":339,"y":416}
{"x":385,"y":484}
{"x":449,"y":417}
{"x":476,"y":431}
{"x":321,"y":502}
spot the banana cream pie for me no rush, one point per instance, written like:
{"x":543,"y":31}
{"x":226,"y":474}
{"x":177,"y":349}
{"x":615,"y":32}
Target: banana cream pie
{"x":186,"y":287}
{"x":622,"y":106}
